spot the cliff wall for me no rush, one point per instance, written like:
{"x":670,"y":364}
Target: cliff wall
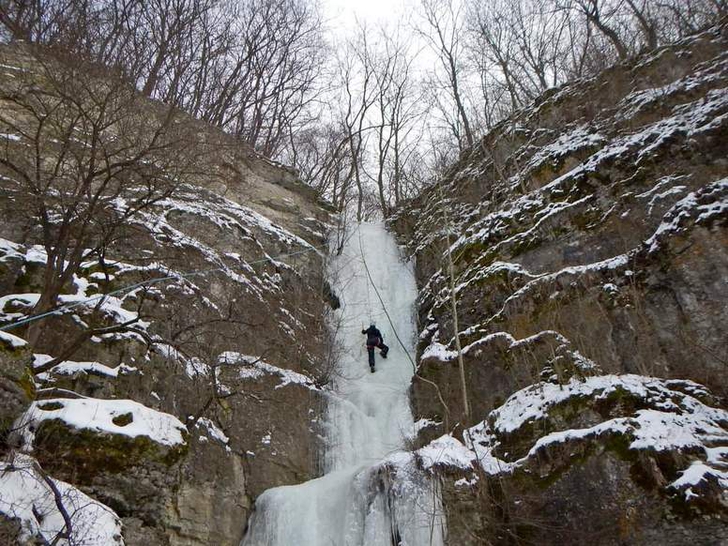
{"x":196,"y":385}
{"x":590,"y":266}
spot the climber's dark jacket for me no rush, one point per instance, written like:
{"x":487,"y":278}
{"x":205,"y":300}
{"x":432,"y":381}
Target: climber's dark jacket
{"x":375,"y":339}
{"x":374,"y":336}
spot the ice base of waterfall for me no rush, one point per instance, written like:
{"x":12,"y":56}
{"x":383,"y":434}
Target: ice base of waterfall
{"x":366,"y":506}
{"x":372,"y":493}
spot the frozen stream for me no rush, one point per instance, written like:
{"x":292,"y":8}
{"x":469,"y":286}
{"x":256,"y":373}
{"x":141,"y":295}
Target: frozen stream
{"x":359,"y":501}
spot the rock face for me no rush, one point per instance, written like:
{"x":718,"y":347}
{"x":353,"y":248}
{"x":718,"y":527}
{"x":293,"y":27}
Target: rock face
{"x":16,"y":385}
{"x":217,"y":322}
{"x":588,"y":240}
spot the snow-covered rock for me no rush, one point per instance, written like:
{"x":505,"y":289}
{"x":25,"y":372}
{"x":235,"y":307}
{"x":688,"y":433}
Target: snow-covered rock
{"x":230,"y":260}
{"x":588,"y":238}
{"x":120,"y":417}
{"x":54,"y":511}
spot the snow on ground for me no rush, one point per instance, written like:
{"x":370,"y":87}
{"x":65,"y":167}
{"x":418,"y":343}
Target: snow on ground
{"x":699,"y":472}
{"x":534,"y":402}
{"x":442,"y":353}
{"x":99,"y":415}
{"x":253,"y":367}
{"x":692,"y":118}
{"x":213,"y":431}
{"x":698,"y":207}
{"x":642,"y":128}
{"x":522,"y":216}
{"x":10,"y":250}
{"x":446,"y":451}
{"x":225,"y":214}
{"x":27,"y":497}
{"x":165,"y":234}
{"x":422,"y":424}
{"x":672,"y":419}
{"x":17,"y":306}
{"x":194,"y":367}
{"x":578,"y":139}
{"x":477,"y":274}
{"x":663,"y":188}
{"x":71,"y":367}
{"x":12,"y":341}
{"x":642,"y":100}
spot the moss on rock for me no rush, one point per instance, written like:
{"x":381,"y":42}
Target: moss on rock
{"x":86,"y":454}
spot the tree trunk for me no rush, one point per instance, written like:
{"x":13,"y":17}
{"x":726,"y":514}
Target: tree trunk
{"x":456,"y":324}
{"x":647,"y":28}
{"x":591,"y":11}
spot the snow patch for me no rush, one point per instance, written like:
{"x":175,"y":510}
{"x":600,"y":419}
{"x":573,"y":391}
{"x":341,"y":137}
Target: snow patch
{"x":448,"y":451}
{"x":214,"y":432}
{"x":98,"y":416}
{"x":698,"y":207}
{"x":70,"y":367}
{"x":26,"y":496}
{"x":12,"y":341}
{"x":254,"y":367}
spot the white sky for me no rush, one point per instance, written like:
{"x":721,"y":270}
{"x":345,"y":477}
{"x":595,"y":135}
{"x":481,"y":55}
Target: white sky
{"x":341,"y":15}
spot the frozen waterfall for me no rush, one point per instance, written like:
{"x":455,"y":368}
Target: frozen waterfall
{"x":371,"y":494}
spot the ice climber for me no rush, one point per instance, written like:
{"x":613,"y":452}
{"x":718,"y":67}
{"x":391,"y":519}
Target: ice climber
{"x":374,"y":339}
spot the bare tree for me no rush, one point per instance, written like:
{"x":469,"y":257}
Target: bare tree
{"x":268,"y":77}
{"x":88,"y":156}
{"x":364,"y":153}
{"x":495,"y":41}
{"x":250,"y":67}
{"x":454,"y":310}
{"x":642,"y":12}
{"x":599,"y":13}
{"x":319,"y":154}
{"x":394,"y":113}
{"x":443,"y":30}
{"x":358,"y":81}
{"x":257,"y":69}
{"x":170,"y":26}
{"x":39,"y":20}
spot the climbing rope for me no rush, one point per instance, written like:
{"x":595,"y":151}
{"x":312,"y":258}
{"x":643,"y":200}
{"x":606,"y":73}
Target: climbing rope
{"x":101,"y":297}
{"x":384,"y":307}
{"x":370,"y":314}
{"x":399,"y":340}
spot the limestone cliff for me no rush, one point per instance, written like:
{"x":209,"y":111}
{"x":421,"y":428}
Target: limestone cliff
{"x":590,"y":252}
{"x":199,"y":386}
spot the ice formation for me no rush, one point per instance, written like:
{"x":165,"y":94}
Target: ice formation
{"x":371,"y":493}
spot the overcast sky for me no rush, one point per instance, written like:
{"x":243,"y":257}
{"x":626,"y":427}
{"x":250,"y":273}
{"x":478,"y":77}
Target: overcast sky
{"x":342,"y":14}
